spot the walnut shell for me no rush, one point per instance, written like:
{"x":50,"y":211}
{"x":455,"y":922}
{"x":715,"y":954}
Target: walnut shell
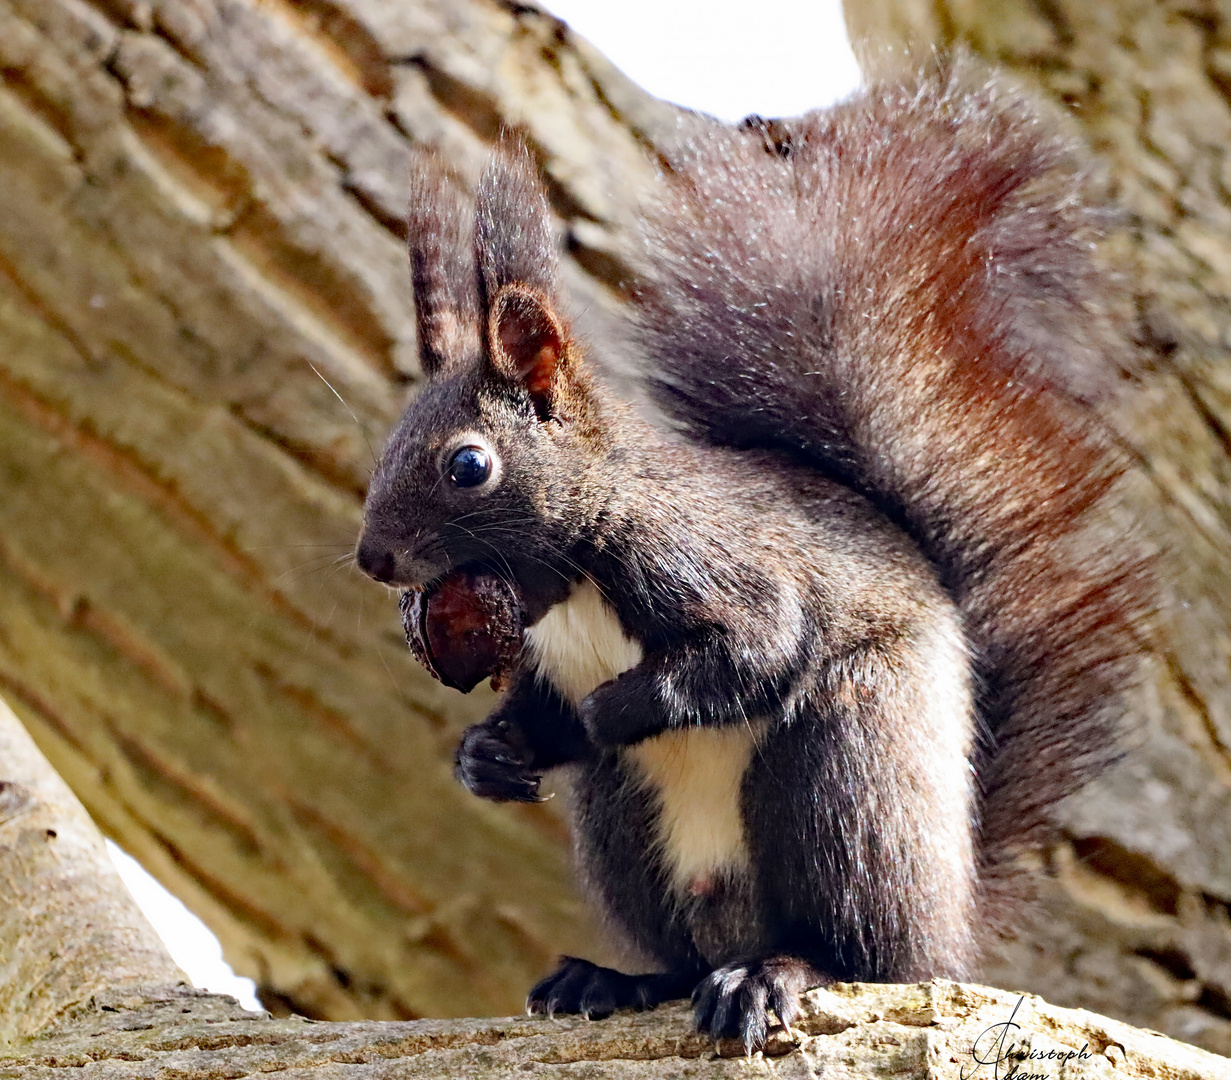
{"x":468,"y":627}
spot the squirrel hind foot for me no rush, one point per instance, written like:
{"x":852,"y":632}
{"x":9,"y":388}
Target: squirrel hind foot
{"x":578,"y":986}
{"x":735,"y":1000}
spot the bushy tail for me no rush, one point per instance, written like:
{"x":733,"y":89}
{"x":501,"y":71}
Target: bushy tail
{"x":900,"y":290}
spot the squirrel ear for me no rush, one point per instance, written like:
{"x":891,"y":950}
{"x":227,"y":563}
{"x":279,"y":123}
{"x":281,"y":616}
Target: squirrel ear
{"x":529,"y":344}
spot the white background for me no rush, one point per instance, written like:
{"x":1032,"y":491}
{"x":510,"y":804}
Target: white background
{"x":789,"y":56}
{"x":773,"y":57}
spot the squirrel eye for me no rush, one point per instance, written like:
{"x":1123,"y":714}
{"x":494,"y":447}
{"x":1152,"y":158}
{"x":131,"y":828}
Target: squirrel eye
{"x":470,"y":466}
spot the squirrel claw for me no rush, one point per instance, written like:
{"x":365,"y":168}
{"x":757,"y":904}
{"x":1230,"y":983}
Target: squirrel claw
{"x":578,"y":986}
{"x":734,"y":1001}
{"x":491,"y":766}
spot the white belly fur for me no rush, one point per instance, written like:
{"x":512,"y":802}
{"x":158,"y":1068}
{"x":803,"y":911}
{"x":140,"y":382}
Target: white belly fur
{"x":695,"y":773}
{"x":579,"y":644}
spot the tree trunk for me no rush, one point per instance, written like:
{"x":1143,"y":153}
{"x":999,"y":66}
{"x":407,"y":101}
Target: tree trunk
{"x":204,"y":328}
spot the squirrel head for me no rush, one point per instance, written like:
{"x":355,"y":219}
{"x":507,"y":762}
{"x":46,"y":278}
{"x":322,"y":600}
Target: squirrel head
{"x":494,"y":459}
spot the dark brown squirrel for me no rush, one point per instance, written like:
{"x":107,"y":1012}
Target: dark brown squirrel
{"x":824,"y":657}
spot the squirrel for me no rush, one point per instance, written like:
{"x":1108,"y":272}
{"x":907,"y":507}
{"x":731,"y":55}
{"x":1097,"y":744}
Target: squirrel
{"x":824,"y":650}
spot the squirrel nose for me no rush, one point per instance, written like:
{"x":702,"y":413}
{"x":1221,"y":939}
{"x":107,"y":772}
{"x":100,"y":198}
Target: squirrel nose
{"x":376,"y":560}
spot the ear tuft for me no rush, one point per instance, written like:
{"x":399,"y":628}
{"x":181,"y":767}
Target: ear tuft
{"x":528,"y":343}
{"x":513,"y":235}
{"x":440,"y":224}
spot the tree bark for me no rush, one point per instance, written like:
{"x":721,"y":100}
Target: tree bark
{"x":205,"y":327}
{"x":912,"y":1032}
{"x":68,"y":927}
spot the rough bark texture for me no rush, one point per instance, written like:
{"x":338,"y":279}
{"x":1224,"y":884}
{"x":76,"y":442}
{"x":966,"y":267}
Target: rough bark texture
{"x":1137,"y":921}
{"x":914,"y":1032}
{"x":200,"y":206}
{"x":68,"y":927}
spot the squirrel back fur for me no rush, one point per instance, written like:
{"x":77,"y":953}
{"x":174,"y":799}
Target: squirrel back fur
{"x":901,"y":291}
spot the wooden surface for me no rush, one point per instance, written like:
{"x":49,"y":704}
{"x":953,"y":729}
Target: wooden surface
{"x":68,"y":927}
{"x":199,"y":206}
{"x":930,"y":1031}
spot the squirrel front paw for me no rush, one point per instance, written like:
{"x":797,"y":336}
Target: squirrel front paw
{"x":620,"y":712}
{"x":491,"y":761}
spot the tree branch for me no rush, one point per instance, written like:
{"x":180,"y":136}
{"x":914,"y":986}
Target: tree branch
{"x":69,"y":928}
{"x":928,"y":1031}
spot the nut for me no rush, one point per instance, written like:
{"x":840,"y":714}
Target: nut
{"x":468,"y":627}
